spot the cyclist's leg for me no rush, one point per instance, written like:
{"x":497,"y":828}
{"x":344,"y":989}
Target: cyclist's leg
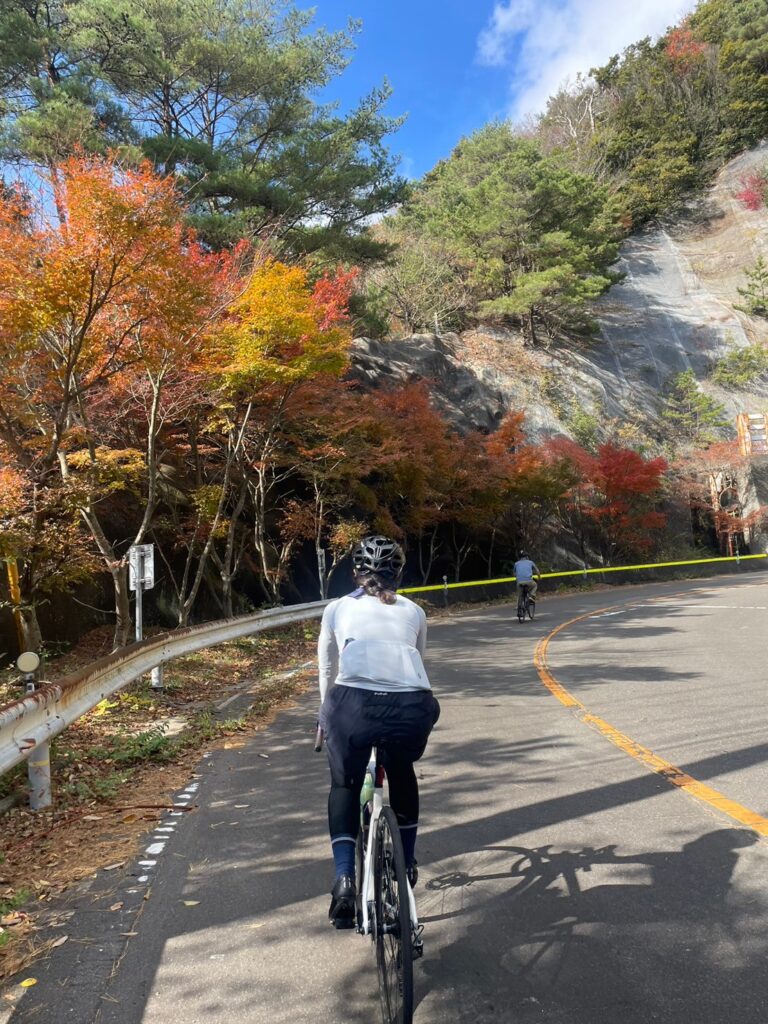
{"x":340,"y":717}
{"x":404,"y":743}
{"x":532,"y":588}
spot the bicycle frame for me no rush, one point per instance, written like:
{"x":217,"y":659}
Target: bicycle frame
{"x":366,"y":893}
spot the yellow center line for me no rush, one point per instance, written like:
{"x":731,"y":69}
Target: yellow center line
{"x":674,"y":775}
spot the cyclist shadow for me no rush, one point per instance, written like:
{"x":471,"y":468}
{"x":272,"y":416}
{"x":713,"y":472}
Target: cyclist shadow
{"x":532,"y":931}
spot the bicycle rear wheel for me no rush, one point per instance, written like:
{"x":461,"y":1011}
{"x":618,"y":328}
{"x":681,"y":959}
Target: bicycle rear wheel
{"x":394,"y":947}
{"x":521,"y":602}
{"x":531,"y":608}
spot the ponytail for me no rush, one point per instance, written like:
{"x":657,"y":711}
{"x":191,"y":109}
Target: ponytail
{"x":375,"y":586}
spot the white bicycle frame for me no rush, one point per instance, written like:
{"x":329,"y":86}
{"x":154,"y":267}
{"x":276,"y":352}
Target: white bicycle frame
{"x":367,"y":893}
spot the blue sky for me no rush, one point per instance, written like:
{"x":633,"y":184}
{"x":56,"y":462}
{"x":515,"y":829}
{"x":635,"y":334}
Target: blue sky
{"x":456,"y":64}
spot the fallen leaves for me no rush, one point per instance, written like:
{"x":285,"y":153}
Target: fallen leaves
{"x":191,"y":903}
{"x":13,"y":918}
{"x":116,"y":906}
{"x":28,"y":982}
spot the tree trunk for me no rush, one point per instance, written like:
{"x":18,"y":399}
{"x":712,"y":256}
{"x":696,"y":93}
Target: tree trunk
{"x":122,"y":606}
{"x":489,"y":562}
{"x":532,"y":328}
{"x":425,"y":565}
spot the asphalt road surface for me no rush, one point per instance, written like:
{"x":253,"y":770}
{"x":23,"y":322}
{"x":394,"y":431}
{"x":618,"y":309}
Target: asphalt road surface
{"x":563,"y":880}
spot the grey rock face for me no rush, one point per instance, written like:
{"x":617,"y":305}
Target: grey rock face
{"x":674,"y":311}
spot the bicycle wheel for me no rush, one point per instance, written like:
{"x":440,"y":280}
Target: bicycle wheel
{"x":394,"y":949}
{"x":521,"y":608}
{"x":531,"y":608}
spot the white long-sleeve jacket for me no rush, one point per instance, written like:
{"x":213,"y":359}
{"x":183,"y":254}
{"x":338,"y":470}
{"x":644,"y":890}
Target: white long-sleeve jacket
{"x":371,"y":645}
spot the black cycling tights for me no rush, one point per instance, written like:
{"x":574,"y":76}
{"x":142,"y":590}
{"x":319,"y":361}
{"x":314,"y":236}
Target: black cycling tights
{"x":344,"y":800}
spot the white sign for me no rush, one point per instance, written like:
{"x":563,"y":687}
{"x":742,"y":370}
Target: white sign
{"x":141,"y":565}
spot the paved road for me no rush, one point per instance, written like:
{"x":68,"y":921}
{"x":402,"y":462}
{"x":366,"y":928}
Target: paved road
{"x":562,"y":881}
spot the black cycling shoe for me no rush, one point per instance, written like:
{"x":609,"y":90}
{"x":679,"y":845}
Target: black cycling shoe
{"x":343,"y":911}
{"x":413,"y":873}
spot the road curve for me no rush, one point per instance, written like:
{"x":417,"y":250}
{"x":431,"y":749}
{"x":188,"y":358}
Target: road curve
{"x":563,"y":880}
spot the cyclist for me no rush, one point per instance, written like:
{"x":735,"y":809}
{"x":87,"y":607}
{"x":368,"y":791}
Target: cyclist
{"x":524,"y":571}
{"x":373,"y":691}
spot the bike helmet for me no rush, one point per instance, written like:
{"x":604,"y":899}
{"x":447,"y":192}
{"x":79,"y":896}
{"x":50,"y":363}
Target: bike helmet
{"x":379,"y":555}
{"x":523,"y":554}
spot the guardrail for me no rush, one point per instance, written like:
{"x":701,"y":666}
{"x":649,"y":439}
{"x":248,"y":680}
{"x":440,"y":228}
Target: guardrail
{"x":27,"y":725}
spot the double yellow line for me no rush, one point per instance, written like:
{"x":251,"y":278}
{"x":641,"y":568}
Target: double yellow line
{"x":674,"y":775}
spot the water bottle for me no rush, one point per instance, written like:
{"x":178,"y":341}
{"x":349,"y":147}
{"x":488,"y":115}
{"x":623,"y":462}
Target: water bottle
{"x":366,"y":793}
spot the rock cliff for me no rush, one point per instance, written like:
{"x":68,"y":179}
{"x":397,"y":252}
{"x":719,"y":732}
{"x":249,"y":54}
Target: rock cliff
{"x":674,"y":311}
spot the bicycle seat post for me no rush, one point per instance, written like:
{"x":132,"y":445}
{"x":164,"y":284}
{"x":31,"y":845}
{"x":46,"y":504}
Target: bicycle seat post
{"x":378,"y":765}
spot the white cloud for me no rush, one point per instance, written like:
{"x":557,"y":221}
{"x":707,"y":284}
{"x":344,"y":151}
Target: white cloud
{"x":548,"y":42}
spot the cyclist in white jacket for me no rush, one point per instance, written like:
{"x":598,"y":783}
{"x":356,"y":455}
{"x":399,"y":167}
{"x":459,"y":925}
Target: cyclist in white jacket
{"x":374,"y":691}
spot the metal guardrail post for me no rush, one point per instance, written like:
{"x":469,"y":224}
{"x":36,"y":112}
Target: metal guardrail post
{"x":39,"y":775}
{"x":39,"y":763}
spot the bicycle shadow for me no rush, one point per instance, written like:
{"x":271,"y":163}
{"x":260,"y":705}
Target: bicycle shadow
{"x":533,"y":936}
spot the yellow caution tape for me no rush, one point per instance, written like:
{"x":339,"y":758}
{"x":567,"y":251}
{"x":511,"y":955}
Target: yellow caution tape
{"x":581,"y":572}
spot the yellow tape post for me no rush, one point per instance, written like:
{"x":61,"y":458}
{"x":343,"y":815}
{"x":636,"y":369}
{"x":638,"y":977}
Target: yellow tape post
{"x":583,"y":572}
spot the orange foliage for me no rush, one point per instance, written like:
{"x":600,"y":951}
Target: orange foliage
{"x":683,"y":48}
{"x":116,"y":281}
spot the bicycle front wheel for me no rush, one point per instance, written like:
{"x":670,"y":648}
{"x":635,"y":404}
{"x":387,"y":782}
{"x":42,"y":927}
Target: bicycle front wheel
{"x":394,"y":947}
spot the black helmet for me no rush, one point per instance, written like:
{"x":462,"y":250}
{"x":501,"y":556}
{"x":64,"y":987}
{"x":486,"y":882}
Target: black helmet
{"x":379,"y":555}
{"x":523,"y":554}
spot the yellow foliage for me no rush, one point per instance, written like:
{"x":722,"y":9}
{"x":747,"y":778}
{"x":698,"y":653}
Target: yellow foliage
{"x":276,"y":334}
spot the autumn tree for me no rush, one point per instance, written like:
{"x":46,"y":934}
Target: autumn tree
{"x":613,"y":503}
{"x":282,"y":336}
{"x":105,"y":281}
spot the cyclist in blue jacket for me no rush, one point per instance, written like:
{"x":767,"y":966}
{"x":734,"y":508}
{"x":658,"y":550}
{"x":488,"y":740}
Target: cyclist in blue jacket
{"x":524,"y":571}
{"x":374,"y":691}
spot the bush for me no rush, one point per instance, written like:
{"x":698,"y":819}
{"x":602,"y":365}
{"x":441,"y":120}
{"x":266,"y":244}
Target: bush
{"x":741,"y":367}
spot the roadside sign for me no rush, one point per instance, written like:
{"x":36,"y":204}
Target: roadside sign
{"x":141,"y":566}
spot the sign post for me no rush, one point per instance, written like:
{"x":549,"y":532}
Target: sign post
{"x":141,"y":577}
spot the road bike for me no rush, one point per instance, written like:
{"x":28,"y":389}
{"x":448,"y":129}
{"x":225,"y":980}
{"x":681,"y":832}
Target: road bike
{"x":386,"y":906}
{"x":525,"y":603}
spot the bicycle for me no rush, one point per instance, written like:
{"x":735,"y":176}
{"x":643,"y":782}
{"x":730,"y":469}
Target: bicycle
{"x":525,"y":603}
{"x":386,"y":906}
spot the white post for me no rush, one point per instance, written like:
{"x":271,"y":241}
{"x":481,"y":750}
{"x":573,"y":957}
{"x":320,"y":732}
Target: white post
{"x":139,"y":592}
{"x":142,"y":564}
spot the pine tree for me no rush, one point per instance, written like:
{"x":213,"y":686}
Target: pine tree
{"x":694,"y":417}
{"x":755,"y":294}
